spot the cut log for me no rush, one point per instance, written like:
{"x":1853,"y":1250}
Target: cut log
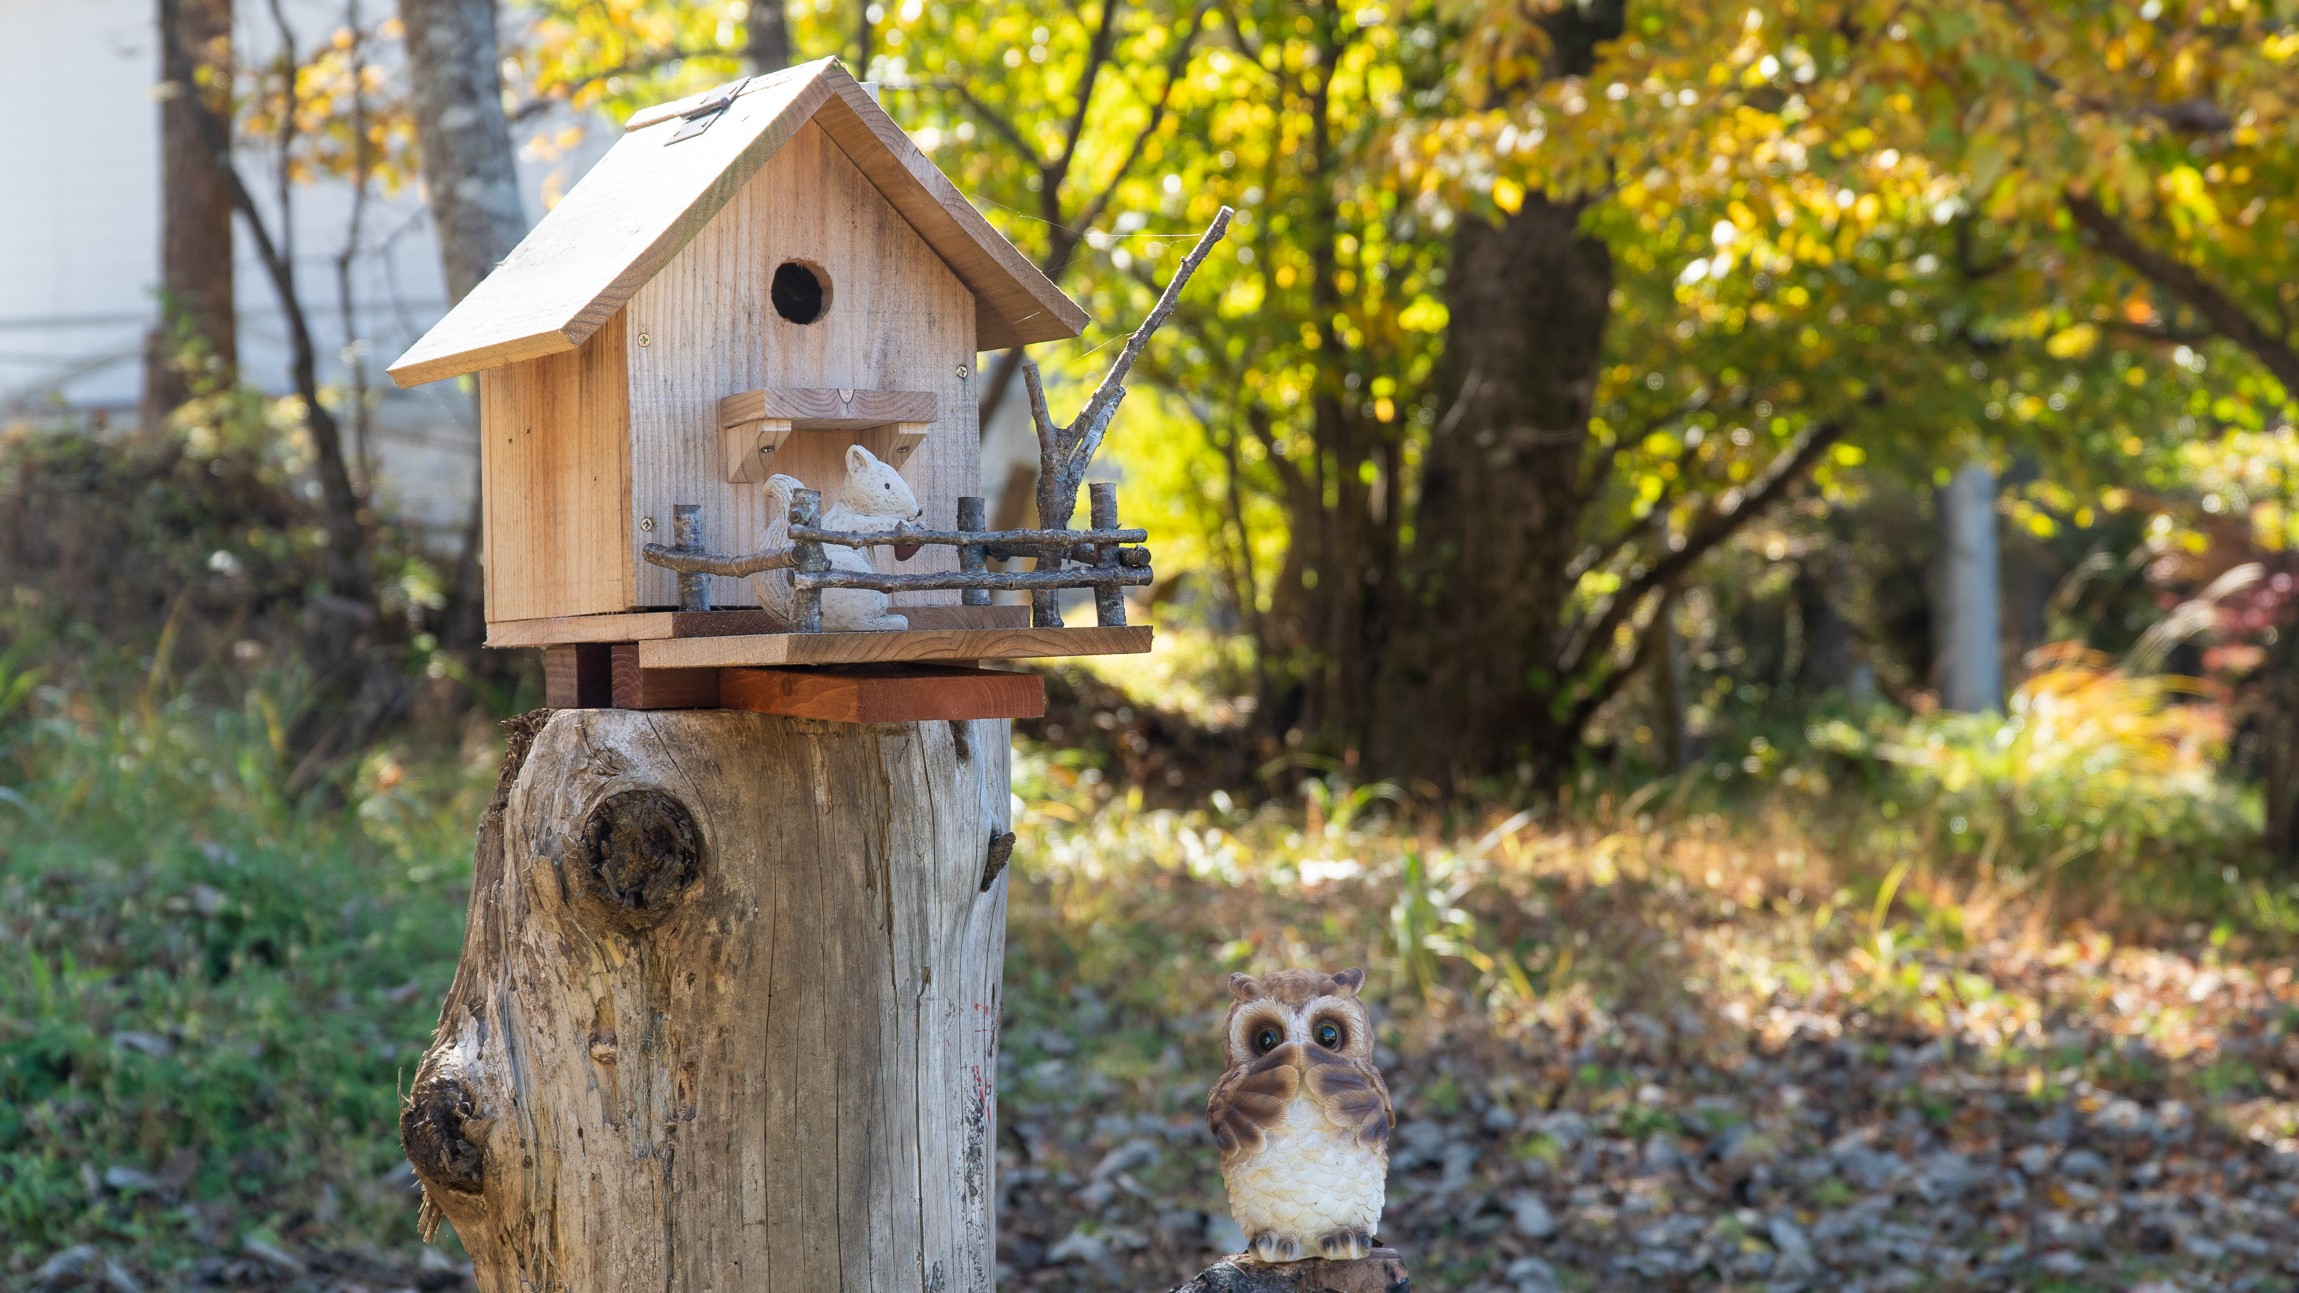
{"x":1382,"y":1272}
{"x":727,"y":1011}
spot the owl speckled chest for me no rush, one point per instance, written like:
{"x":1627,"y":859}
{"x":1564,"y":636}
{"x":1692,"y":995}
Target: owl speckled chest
{"x":1302,"y":1117}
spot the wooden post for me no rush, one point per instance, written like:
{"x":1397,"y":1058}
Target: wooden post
{"x":973,"y":514}
{"x":727,"y":1011}
{"x":1102,"y":509}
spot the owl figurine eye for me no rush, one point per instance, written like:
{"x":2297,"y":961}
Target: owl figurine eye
{"x":1265,"y":1039}
{"x":1329,"y":1035}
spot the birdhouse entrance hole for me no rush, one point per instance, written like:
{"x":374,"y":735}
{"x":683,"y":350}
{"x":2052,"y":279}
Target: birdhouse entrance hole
{"x":800,"y":291}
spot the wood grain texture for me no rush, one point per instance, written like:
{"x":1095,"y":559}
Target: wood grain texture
{"x":640,"y":626}
{"x":643,"y":201}
{"x":748,"y":450}
{"x":634,"y":686}
{"x":915,"y":644}
{"x":578,"y":676}
{"x":731,"y":1040}
{"x":819,"y":408}
{"x":621,"y":223}
{"x":1016,"y":305}
{"x":884,"y":694}
{"x":898,"y":320}
{"x":554,"y":463}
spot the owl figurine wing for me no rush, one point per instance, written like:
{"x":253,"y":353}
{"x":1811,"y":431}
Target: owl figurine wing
{"x":1249,"y":1100}
{"x":1355,"y":1099}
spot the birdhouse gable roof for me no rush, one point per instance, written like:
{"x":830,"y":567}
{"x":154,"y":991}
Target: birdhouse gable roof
{"x":675,"y":168}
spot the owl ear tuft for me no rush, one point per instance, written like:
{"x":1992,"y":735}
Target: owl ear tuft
{"x":1350,"y":980}
{"x":1243,"y":988}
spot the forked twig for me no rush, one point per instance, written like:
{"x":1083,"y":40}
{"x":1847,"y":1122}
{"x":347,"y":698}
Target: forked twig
{"x":1064,"y":452}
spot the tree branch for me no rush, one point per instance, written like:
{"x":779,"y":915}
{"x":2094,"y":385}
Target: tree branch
{"x":347,"y":538}
{"x":2226,"y":316}
{"x":1594,"y":696}
{"x":1073,"y":447}
{"x":1711,"y":530}
{"x":1175,"y":67}
{"x":999,"y":123}
{"x":1097,"y":58}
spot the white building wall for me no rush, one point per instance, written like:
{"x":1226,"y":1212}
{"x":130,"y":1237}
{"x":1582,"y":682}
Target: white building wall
{"x":79,"y":243}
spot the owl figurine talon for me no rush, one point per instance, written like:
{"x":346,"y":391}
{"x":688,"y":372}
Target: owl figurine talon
{"x":1274,"y":1248}
{"x":1302,"y":1117}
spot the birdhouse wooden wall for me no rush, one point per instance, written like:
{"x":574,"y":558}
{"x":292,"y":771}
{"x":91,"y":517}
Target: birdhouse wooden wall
{"x":751,"y":281}
{"x":893,"y":317}
{"x":634,"y":412}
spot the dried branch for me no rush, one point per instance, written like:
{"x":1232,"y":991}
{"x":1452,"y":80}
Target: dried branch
{"x":1066,"y":452}
{"x":1383,"y":1272}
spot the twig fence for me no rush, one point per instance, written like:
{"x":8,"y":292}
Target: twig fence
{"x":1106,"y":558}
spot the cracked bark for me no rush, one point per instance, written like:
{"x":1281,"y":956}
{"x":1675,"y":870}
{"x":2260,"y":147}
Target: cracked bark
{"x":727,"y":1005}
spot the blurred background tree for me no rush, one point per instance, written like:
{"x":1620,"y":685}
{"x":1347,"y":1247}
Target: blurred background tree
{"x":1549,"y":332}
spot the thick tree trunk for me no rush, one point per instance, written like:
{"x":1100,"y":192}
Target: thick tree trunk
{"x":196,"y":300}
{"x":727,"y":1012}
{"x":454,"y":72}
{"x":453,"y":68}
{"x":1469,"y":685}
{"x":1971,"y":594}
{"x":769,"y":35}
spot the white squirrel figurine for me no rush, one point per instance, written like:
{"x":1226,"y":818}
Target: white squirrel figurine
{"x":873,"y":497}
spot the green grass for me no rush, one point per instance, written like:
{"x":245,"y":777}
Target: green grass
{"x":213,"y":990}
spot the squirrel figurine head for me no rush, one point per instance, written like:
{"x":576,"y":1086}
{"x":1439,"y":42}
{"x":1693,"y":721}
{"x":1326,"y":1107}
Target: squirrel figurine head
{"x":874,"y":489}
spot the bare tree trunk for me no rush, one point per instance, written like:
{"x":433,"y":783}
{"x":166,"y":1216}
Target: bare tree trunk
{"x":468,"y":163}
{"x":472,"y":174}
{"x":727,"y":1012}
{"x":769,"y":36}
{"x":1971,"y":636}
{"x":196,"y":299}
{"x":1470,"y":685}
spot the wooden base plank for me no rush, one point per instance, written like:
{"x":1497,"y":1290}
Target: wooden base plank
{"x":646,"y":626}
{"x":884,"y":693}
{"x":636,"y":687}
{"x":578,"y":676}
{"x":878,"y":648}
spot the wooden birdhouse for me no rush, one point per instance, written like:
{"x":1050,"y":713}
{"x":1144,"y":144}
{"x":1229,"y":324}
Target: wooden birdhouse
{"x":750,"y":283}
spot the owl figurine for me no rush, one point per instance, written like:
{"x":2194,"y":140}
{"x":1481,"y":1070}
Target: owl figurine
{"x":1302,"y":1116}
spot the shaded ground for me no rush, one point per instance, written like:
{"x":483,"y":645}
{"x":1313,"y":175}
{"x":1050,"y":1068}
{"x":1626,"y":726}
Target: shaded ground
{"x":1718,"y":1094}
{"x":1706,"y":1053}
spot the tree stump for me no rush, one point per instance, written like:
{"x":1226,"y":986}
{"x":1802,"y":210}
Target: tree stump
{"x":1381,"y":1272}
{"x":727,"y":1011}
